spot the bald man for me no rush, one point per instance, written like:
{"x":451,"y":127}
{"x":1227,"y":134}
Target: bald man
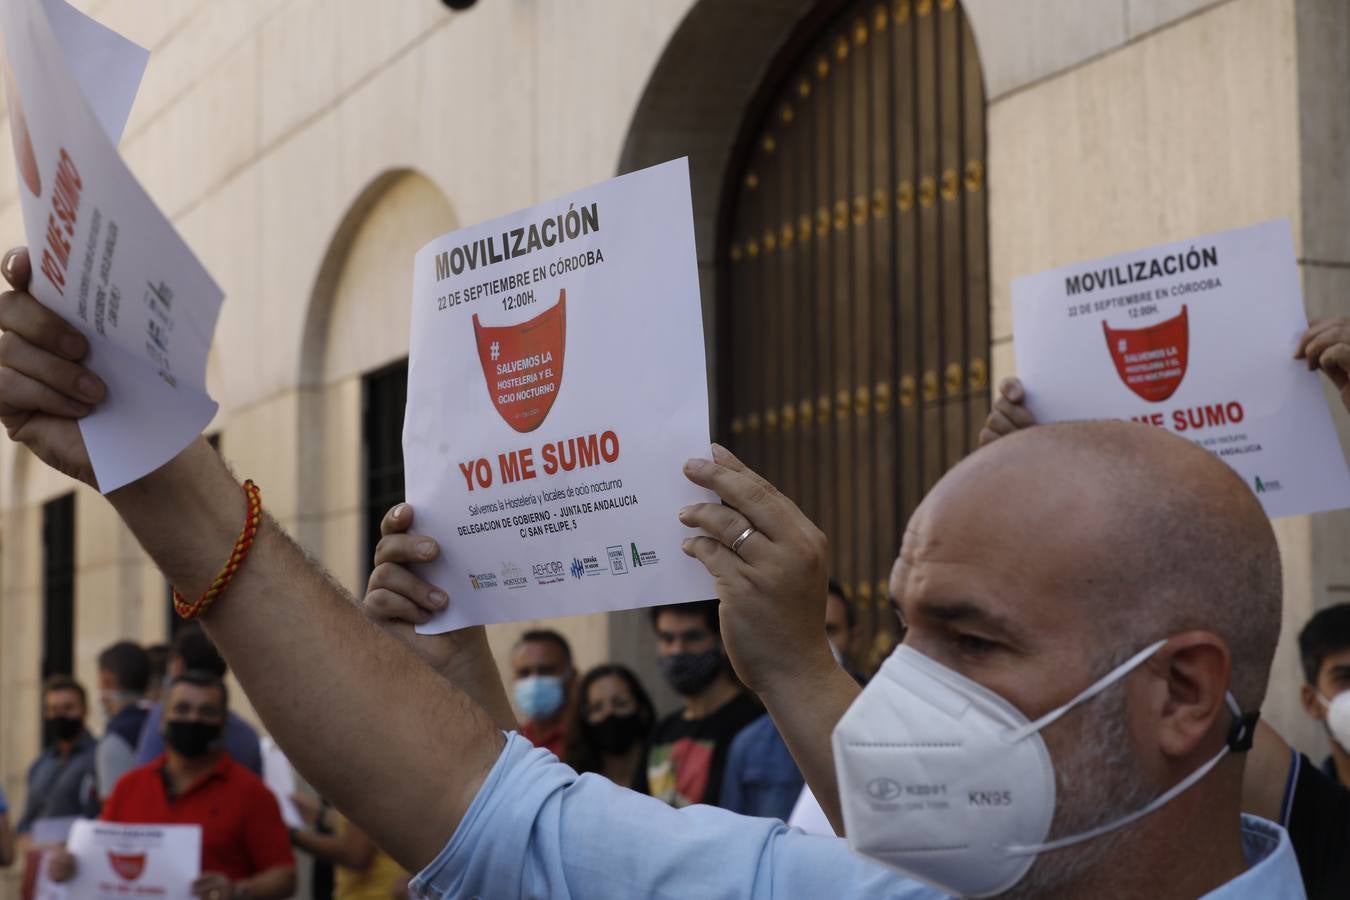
{"x":1087,"y":649}
{"x":1280,"y":784}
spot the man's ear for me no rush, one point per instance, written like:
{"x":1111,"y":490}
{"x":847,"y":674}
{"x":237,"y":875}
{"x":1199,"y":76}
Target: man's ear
{"x":1195,"y":668}
{"x":1312,"y":704}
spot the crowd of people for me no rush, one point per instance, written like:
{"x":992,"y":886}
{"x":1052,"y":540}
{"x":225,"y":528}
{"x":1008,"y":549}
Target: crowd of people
{"x":1090,"y":612}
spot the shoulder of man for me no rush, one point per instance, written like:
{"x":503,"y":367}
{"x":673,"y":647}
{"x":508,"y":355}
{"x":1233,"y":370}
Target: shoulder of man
{"x":240,"y":724}
{"x":127,"y":725}
{"x":258,"y":797}
{"x":135,"y":781}
{"x":741,"y":710}
{"x":756,"y":732}
{"x":36,"y":764}
{"x":667,"y":724}
{"x":245,"y":779}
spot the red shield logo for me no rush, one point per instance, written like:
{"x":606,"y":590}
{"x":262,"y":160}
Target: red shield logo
{"x":128,"y":866}
{"x":523,"y":364}
{"x":1152,"y":360}
{"x":23,"y":144}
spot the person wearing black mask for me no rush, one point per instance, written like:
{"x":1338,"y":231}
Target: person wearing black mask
{"x":61,"y":781}
{"x":687,"y":752}
{"x":246,"y":849}
{"x":610,"y":724}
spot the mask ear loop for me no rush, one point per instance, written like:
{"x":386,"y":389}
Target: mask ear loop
{"x":1110,"y":678}
{"x":1240,"y":735}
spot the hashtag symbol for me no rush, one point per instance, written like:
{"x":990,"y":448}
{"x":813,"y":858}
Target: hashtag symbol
{"x":494,"y":351}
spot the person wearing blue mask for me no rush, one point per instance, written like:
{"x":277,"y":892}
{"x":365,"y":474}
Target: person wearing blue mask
{"x":541,"y":662}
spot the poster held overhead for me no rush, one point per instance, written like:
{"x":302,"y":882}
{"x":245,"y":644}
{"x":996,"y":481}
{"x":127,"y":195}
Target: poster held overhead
{"x":1197,"y":337}
{"x":556,"y":386}
{"x":103,"y":256}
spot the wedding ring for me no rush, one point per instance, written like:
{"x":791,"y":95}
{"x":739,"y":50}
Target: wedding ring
{"x":741,"y":539}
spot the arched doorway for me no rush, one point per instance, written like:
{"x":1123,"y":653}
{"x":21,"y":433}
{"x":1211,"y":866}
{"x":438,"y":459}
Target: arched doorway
{"x":853,"y":297}
{"x":353,"y":369}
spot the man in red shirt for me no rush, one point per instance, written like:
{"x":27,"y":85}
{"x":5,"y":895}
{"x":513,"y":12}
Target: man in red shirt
{"x":246,"y":849}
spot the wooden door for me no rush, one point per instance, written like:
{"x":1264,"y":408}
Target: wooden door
{"x":854,"y":293}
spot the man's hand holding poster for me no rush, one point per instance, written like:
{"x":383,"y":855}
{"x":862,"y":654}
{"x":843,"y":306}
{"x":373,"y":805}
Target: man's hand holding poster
{"x":1197,"y":337}
{"x":556,"y":386}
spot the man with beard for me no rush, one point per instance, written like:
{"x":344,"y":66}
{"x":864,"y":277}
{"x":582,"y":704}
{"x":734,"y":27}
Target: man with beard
{"x":61,"y":781}
{"x":687,"y":751}
{"x":246,"y":850}
{"x":1097,"y":639}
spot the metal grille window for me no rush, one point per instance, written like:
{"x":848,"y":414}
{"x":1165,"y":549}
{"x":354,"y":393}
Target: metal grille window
{"x":58,"y":586}
{"x":854,"y":329}
{"x":384,"y":397}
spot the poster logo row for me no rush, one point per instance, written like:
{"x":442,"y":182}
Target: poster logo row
{"x":617,"y":561}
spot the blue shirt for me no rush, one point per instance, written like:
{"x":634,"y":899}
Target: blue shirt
{"x":61,"y":786}
{"x":537,"y":829}
{"x":241,"y":741}
{"x":4,"y":804}
{"x":761,"y":777}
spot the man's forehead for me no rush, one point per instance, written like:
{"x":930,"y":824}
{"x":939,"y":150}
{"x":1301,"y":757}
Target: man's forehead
{"x":959,"y":567}
{"x":196,"y":694}
{"x":539,"y":650}
{"x":681,"y":622}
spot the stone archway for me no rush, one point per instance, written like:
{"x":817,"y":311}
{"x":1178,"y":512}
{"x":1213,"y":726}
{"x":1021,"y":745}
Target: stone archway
{"x":357,"y":322}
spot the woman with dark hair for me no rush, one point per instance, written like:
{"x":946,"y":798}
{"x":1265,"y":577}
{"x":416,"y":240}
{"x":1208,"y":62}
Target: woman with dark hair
{"x":610,"y":723}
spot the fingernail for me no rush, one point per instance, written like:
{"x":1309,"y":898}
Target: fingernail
{"x":72,"y":345}
{"x":438,"y":599}
{"x":694,"y":465}
{"x":720,"y":453}
{"x":7,"y":266}
{"x":684,"y":545}
{"x":427,"y":548}
{"x":400,"y":510}
{"x":686,"y":512}
{"x":90,"y":388}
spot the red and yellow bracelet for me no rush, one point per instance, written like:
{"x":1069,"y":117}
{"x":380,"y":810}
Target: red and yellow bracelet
{"x":235,"y":562}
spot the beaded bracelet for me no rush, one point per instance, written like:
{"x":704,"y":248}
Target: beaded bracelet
{"x":235,"y":562}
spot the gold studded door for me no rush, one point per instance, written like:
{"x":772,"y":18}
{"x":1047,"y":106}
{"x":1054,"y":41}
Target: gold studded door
{"x":854,"y":294}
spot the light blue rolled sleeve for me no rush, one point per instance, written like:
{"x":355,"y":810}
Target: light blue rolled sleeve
{"x":537,"y":829}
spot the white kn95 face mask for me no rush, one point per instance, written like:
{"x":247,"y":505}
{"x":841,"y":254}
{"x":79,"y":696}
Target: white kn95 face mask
{"x":948,"y":782}
{"x":1338,"y":718}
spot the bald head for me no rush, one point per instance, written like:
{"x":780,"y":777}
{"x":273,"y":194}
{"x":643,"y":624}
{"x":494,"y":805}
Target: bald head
{"x":1141,"y":533}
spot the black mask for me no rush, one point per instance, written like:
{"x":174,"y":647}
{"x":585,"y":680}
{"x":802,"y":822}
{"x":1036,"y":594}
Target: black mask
{"x":62,"y":728}
{"x":613,"y":735}
{"x":191,"y":739}
{"x":691,"y":673}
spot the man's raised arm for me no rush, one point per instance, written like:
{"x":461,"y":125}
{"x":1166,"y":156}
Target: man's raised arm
{"x":340,"y":696}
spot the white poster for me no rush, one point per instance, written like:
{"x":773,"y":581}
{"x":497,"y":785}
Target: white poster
{"x":129,"y":861}
{"x":556,"y":387}
{"x":280,"y":780}
{"x":49,"y":832}
{"x":1197,"y":337}
{"x":103,"y":255}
